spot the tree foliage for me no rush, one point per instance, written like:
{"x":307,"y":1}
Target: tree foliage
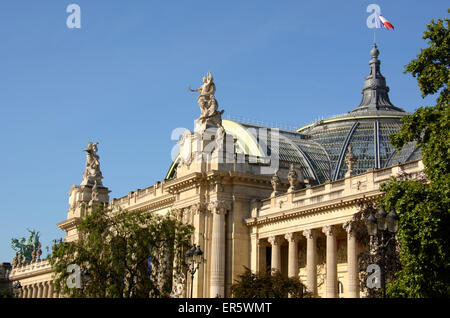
{"x":423,"y":205}
{"x":429,"y":126}
{"x":123,"y":254}
{"x":265,"y":285}
{"x":424,"y":237}
{"x":373,"y":254}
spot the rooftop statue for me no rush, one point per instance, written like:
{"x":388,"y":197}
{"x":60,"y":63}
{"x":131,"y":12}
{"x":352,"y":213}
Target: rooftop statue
{"x":206,"y":100}
{"x":92,"y":172}
{"x":25,"y":247}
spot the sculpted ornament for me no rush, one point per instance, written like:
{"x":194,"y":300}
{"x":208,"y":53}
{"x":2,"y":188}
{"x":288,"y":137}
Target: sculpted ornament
{"x":329,"y":230}
{"x":92,"y":172}
{"x":310,"y":234}
{"x":349,"y":227}
{"x":276,"y":183}
{"x":219,"y":206}
{"x":275,"y":240}
{"x":197,"y":208}
{"x":206,"y":100}
{"x":292,"y":237}
{"x":350,"y":160}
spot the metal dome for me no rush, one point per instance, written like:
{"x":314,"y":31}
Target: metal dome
{"x":366,"y":129}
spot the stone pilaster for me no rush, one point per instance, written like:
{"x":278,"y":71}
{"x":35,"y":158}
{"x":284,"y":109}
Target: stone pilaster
{"x":217,"y":269}
{"x":276,"y":241}
{"x":254,"y":254}
{"x":311,"y":260}
{"x":331,"y":279}
{"x":197,"y":211}
{"x":293,"y":239}
{"x":262,"y":266}
{"x":352,"y":262}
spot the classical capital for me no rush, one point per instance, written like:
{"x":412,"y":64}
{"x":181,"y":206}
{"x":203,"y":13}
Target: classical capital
{"x":219,"y":206}
{"x":178,"y":213}
{"x":310,"y":234}
{"x":186,"y":212}
{"x":349,"y":227}
{"x":329,"y":230}
{"x":275,"y":240}
{"x":292,"y":237}
{"x":197,"y":208}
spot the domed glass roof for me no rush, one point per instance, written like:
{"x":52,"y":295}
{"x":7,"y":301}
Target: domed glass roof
{"x":320,"y":147}
{"x":366,"y":129}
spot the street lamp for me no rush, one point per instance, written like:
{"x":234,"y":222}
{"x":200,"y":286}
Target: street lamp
{"x":382,"y":223}
{"x":194,"y":257}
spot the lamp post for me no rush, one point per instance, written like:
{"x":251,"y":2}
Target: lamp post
{"x":382,"y":223}
{"x":193,"y":259}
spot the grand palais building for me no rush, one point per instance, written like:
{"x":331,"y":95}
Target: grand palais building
{"x":262,"y":197}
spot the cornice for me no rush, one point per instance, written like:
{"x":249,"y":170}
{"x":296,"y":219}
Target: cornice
{"x":30,"y":270}
{"x":295,"y":212}
{"x":163,"y":201}
{"x":69,"y":224}
{"x":184,"y":183}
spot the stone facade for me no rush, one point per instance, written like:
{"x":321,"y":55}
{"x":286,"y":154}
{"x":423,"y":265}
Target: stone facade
{"x":249,"y":208}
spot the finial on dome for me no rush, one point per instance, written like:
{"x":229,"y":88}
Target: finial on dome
{"x":375,"y":92}
{"x":374,"y":52}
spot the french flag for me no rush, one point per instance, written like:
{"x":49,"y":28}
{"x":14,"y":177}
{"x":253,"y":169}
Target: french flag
{"x":384,"y":21}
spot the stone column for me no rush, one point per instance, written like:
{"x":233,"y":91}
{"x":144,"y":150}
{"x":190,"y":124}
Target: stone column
{"x":40,"y":290}
{"x":50,"y":290}
{"x":311,"y":261}
{"x":352,"y":262}
{"x":24,"y":291}
{"x":217,"y":269}
{"x":35,"y":290}
{"x":275,"y":241}
{"x":331,"y":280}
{"x":45,"y":295}
{"x":293,"y":239}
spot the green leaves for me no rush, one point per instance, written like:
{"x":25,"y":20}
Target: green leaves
{"x":115,"y":248}
{"x":423,"y":235}
{"x":431,"y":65}
{"x":429,"y":125}
{"x":265,"y":285}
{"x":424,"y":207}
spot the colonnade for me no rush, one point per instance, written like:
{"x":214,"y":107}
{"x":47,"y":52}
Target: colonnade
{"x":331,"y":281}
{"x":39,"y":290}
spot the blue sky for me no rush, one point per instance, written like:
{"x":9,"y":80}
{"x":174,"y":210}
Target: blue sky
{"x":122,"y":80}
